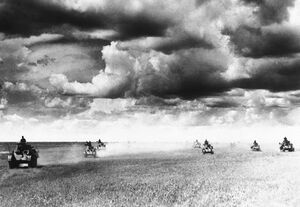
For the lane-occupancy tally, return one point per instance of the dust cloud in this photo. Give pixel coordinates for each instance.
(75, 152)
(114, 149)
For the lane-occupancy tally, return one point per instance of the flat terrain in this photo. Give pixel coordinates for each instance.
(233, 176)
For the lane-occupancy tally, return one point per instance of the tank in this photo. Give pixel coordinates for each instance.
(197, 145)
(92, 151)
(23, 155)
(286, 147)
(207, 149)
(255, 148)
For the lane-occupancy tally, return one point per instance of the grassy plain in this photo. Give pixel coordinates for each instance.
(233, 176)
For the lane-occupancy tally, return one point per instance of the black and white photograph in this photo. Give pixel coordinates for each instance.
(161, 103)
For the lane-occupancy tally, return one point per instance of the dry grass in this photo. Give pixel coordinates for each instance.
(181, 178)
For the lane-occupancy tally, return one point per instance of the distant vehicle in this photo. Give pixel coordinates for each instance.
(286, 147)
(197, 144)
(92, 151)
(23, 155)
(207, 149)
(255, 147)
(101, 144)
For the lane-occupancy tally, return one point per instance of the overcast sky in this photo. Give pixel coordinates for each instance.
(148, 69)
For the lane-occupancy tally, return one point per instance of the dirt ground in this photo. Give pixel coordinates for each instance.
(178, 176)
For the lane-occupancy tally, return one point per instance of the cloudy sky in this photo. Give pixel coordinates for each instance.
(149, 69)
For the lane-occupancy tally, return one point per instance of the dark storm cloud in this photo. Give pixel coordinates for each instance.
(274, 11)
(223, 104)
(139, 26)
(270, 37)
(33, 17)
(189, 75)
(200, 2)
(17, 97)
(198, 86)
(200, 75)
(186, 87)
(265, 42)
(70, 39)
(273, 75)
(186, 42)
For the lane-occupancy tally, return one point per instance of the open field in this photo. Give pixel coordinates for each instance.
(179, 176)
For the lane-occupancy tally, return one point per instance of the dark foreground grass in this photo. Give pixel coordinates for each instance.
(182, 178)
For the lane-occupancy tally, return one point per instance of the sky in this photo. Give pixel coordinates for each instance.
(149, 70)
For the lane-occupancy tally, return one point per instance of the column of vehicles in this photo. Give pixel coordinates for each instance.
(91, 151)
(27, 155)
(206, 147)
